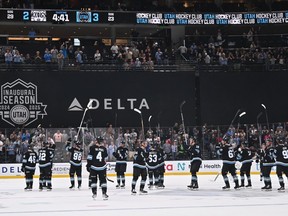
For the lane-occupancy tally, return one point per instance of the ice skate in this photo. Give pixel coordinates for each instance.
(143, 192)
(105, 197)
(226, 187)
(133, 192)
(281, 189)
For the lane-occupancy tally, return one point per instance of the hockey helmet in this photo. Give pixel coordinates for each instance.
(99, 139)
(78, 143)
(245, 143)
(45, 143)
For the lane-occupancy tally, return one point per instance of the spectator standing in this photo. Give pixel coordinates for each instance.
(8, 58)
(159, 56)
(114, 50)
(97, 56)
(167, 148)
(79, 59)
(174, 150)
(54, 53)
(60, 59)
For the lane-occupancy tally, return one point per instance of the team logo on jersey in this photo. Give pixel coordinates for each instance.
(19, 103)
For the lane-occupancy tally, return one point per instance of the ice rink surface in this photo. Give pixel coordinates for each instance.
(175, 199)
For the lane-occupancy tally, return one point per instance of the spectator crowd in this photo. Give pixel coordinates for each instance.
(143, 54)
(14, 143)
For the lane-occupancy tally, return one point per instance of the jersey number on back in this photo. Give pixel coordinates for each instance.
(32, 159)
(99, 156)
(230, 153)
(77, 156)
(285, 154)
(42, 156)
(152, 158)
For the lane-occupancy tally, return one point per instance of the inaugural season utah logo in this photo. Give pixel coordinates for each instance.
(19, 103)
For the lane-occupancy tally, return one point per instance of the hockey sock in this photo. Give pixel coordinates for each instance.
(123, 179)
(281, 181)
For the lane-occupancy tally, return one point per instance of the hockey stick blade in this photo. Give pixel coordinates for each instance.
(213, 180)
(110, 180)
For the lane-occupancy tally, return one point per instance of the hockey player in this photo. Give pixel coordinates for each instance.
(92, 145)
(260, 158)
(75, 163)
(121, 155)
(194, 154)
(96, 165)
(45, 157)
(28, 167)
(268, 163)
(152, 165)
(139, 168)
(227, 153)
(244, 155)
(281, 153)
(161, 167)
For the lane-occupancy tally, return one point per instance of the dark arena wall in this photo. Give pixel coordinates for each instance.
(60, 98)
(114, 95)
(222, 94)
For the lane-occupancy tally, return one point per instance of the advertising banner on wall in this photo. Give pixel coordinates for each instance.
(208, 167)
(59, 99)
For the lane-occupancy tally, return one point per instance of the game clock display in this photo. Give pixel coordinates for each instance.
(60, 17)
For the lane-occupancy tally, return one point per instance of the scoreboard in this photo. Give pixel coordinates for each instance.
(143, 18)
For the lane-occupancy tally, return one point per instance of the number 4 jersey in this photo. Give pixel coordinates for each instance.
(96, 158)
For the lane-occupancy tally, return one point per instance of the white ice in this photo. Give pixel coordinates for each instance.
(174, 200)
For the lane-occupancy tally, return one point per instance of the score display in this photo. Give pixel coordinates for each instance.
(143, 18)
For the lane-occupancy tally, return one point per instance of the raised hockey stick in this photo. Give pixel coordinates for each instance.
(182, 118)
(89, 106)
(142, 124)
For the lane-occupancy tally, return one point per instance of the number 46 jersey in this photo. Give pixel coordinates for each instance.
(29, 160)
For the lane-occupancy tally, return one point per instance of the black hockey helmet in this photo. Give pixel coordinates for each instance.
(123, 142)
(78, 143)
(245, 143)
(99, 139)
(45, 143)
(226, 139)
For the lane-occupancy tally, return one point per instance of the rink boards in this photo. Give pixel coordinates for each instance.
(208, 167)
